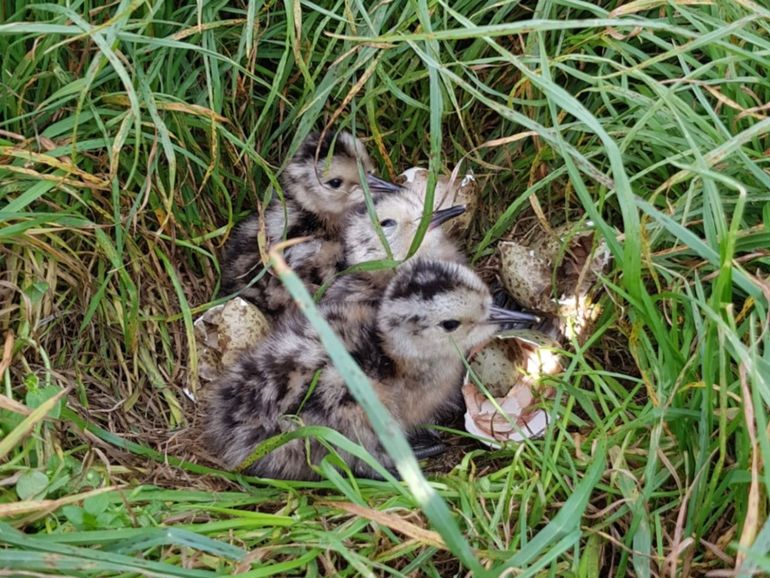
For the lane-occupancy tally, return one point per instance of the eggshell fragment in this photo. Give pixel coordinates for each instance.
(494, 368)
(223, 332)
(511, 368)
(555, 274)
(519, 421)
(450, 190)
(526, 276)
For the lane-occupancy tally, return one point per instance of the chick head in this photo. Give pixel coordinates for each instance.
(399, 217)
(323, 175)
(438, 309)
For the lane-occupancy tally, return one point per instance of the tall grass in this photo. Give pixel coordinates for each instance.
(134, 135)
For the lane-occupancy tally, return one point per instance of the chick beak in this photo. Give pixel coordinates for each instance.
(502, 316)
(378, 185)
(443, 215)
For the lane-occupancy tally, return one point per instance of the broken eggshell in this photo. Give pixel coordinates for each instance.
(529, 272)
(526, 275)
(510, 367)
(450, 190)
(223, 332)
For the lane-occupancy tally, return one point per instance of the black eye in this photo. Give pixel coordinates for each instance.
(450, 325)
(334, 183)
(388, 223)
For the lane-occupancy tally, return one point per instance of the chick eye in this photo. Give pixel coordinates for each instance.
(388, 223)
(334, 183)
(450, 325)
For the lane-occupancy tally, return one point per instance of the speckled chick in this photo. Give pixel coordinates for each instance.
(320, 184)
(407, 344)
(399, 217)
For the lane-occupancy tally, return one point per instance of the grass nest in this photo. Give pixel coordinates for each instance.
(134, 136)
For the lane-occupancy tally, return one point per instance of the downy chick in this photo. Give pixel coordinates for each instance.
(399, 218)
(319, 189)
(407, 343)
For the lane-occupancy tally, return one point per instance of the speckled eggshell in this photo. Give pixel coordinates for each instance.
(494, 368)
(510, 367)
(584, 265)
(465, 192)
(577, 271)
(526, 276)
(223, 332)
(243, 326)
(206, 345)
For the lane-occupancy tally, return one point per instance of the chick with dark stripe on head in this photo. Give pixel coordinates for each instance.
(409, 344)
(320, 185)
(399, 216)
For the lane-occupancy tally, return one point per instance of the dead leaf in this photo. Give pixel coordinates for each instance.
(25, 507)
(428, 537)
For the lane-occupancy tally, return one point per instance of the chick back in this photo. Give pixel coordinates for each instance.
(314, 261)
(245, 406)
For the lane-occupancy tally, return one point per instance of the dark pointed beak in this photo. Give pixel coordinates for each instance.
(378, 185)
(500, 315)
(443, 215)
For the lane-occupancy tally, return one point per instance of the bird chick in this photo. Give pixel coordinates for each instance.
(320, 184)
(408, 344)
(399, 217)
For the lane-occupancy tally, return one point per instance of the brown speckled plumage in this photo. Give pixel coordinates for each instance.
(311, 208)
(407, 343)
